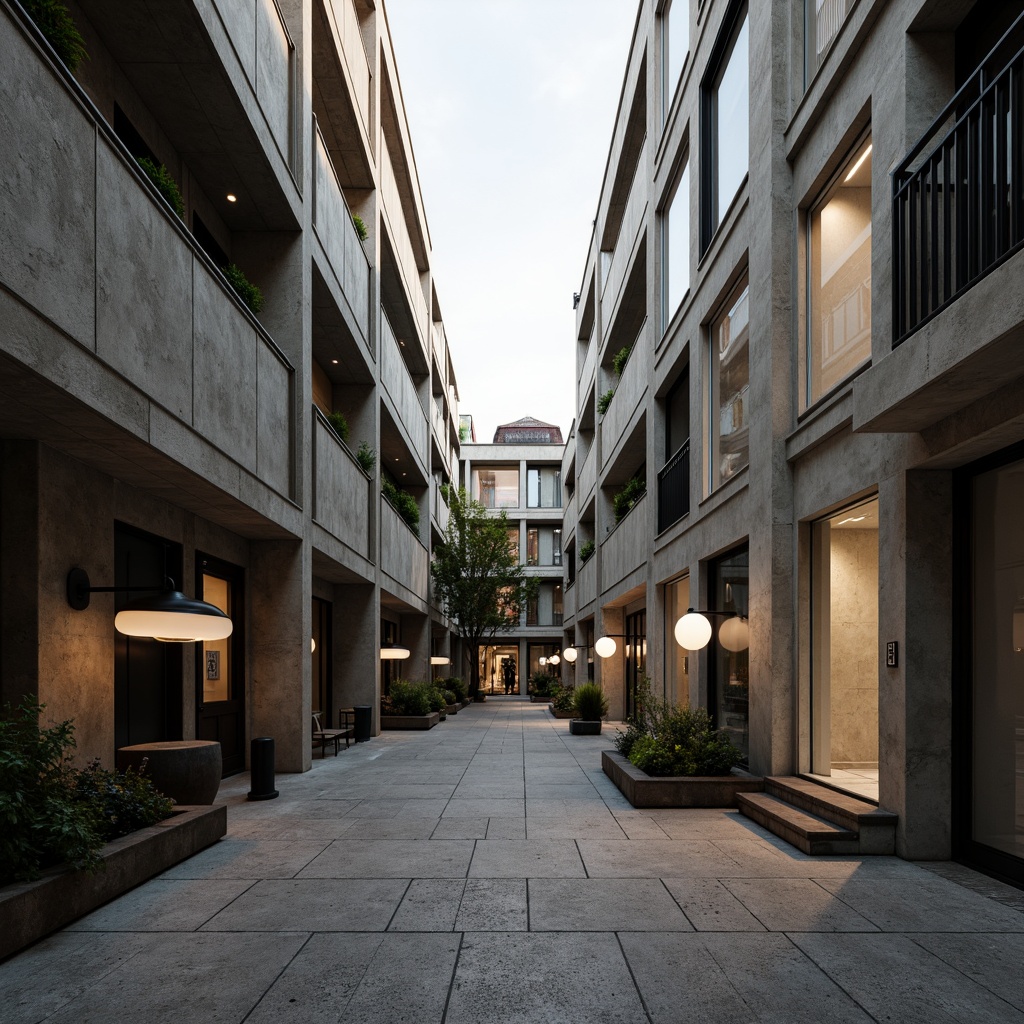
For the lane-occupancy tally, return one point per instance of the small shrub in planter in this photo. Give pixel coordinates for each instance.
(165, 184)
(249, 293)
(562, 698)
(540, 685)
(619, 362)
(455, 686)
(127, 800)
(586, 550)
(339, 424)
(408, 698)
(632, 491)
(589, 702)
(54, 20)
(605, 400)
(366, 457)
(403, 503)
(357, 223)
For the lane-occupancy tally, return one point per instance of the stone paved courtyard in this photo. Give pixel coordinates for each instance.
(488, 871)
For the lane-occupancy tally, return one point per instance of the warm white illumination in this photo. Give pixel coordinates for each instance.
(394, 653)
(734, 634)
(693, 631)
(554, 660)
(440, 659)
(179, 627)
(856, 167)
(1018, 626)
(232, 199)
(312, 645)
(334, 362)
(543, 661)
(851, 519)
(605, 647)
(570, 654)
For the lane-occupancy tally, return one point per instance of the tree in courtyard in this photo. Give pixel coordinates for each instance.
(478, 577)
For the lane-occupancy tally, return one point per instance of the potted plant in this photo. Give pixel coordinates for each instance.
(590, 705)
(586, 550)
(562, 701)
(628, 495)
(409, 706)
(367, 457)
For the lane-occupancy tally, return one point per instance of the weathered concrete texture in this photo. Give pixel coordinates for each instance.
(320, 906)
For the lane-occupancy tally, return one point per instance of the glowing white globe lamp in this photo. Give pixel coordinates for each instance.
(693, 631)
(604, 647)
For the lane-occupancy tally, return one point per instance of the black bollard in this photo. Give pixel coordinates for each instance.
(261, 768)
(363, 722)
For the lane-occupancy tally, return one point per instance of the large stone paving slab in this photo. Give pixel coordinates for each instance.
(796, 905)
(493, 905)
(993, 961)
(528, 858)
(651, 858)
(378, 858)
(603, 905)
(232, 858)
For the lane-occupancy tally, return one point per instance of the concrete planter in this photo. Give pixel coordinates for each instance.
(643, 790)
(466, 703)
(31, 910)
(410, 721)
(578, 727)
(453, 709)
(562, 714)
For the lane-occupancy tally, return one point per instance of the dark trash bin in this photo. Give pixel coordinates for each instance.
(261, 768)
(363, 722)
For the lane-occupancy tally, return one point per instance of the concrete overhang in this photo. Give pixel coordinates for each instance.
(972, 349)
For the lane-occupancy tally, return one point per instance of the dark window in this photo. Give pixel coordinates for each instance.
(129, 135)
(204, 237)
(730, 670)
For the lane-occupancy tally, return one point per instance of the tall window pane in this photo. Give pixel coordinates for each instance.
(496, 488)
(728, 388)
(544, 487)
(675, 44)
(675, 226)
(824, 19)
(839, 278)
(730, 670)
(732, 119)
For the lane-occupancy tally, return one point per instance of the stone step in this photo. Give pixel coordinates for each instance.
(805, 831)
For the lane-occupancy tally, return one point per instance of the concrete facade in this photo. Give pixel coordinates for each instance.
(141, 397)
(906, 423)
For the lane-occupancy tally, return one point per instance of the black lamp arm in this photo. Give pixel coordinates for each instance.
(79, 588)
(708, 611)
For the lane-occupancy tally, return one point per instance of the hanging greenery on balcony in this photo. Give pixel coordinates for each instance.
(586, 550)
(247, 292)
(632, 491)
(619, 362)
(403, 503)
(54, 20)
(360, 227)
(339, 424)
(165, 184)
(367, 457)
(605, 400)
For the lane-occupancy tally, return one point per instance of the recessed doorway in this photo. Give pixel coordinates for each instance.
(844, 650)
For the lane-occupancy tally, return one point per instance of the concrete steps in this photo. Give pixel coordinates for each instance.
(819, 820)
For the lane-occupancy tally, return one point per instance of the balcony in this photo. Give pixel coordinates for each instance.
(587, 478)
(438, 507)
(341, 490)
(625, 548)
(332, 222)
(674, 488)
(586, 583)
(632, 221)
(346, 25)
(629, 391)
(402, 555)
(400, 388)
(587, 373)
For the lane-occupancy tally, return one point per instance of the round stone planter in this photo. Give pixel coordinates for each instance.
(188, 771)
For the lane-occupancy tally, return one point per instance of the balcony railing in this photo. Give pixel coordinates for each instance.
(958, 196)
(674, 488)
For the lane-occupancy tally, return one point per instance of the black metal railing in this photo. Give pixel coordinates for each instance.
(958, 196)
(674, 488)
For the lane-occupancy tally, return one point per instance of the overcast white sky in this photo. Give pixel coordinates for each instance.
(511, 105)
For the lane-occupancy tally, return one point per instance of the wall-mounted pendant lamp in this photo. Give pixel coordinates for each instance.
(693, 631)
(440, 659)
(166, 615)
(393, 652)
(570, 654)
(604, 646)
(554, 660)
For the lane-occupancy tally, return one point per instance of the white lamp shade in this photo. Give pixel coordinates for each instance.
(554, 659)
(542, 660)
(604, 647)
(693, 631)
(175, 626)
(569, 654)
(394, 653)
(312, 645)
(734, 634)
(439, 659)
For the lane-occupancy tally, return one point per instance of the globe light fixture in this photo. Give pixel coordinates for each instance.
(554, 659)
(570, 654)
(604, 647)
(734, 634)
(693, 631)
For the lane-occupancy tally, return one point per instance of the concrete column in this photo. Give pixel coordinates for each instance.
(356, 641)
(280, 624)
(416, 636)
(610, 672)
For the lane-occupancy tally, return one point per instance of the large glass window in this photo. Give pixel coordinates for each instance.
(675, 248)
(675, 44)
(824, 18)
(728, 433)
(496, 488)
(726, 129)
(839, 278)
(545, 608)
(543, 545)
(730, 670)
(677, 665)
(544, 487)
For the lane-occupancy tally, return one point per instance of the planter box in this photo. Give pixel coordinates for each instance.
(31, 910)
(562, 714)
(643, 790)
(453, 709)
(466, 703)
(578, 727)
(410, 721)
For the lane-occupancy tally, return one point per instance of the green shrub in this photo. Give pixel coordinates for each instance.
(367, 457)
(586, 550)
(625, 741)
(437, 701)
(127, 800)
(54, 20)
(589, 702)
(165, 184)
(403, 503)
(605, 400)
(541, 684)
(562, 698)
(456, 686)
(339, 423)
(653, 757)
(249, 293)
(408, 698)
(357, 223)
(449, 697)
(619, 362)
(632, 491)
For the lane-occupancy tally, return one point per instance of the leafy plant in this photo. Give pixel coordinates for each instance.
(589, 702)
(357, 223)
(402, 502)
(367, 457)
(455, 686)
(605, 400)
(463, 432)
(619, 361)
(247, 292)
(562, 698)
(586, 550)
(541, 684)
(127, 801)
(54, 20)
(408, 698)
(165, 184)
(339, 423)
(630, 493)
